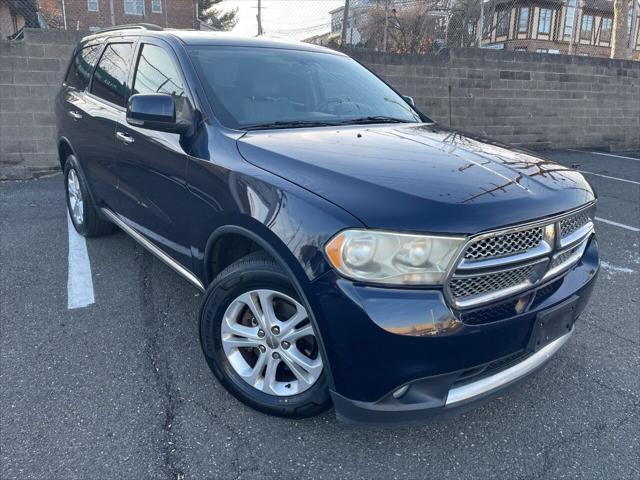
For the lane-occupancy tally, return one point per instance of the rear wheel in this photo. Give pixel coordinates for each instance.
(259, 341)
(82, 211)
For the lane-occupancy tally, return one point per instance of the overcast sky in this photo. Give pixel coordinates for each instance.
(295, 18)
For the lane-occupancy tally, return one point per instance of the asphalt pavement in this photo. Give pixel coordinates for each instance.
(119, 389)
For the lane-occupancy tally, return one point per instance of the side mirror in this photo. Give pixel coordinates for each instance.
(409, 100)
(154, 111)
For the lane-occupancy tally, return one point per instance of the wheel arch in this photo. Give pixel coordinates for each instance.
(64, 150)
(255, 235)
(261, 236)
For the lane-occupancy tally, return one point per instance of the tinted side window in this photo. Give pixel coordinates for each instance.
(110, 77)
(81, 66)
(156, 73)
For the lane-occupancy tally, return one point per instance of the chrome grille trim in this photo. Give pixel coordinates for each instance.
(518, 241)
(540, 250)
(565, 259)
(574, 222)
(564, 240)
(511, 281)
(576, 235)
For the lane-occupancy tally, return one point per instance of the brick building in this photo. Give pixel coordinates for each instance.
(96, 14)
(555, 26)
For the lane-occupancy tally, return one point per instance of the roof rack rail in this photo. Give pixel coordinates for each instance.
(132, 26)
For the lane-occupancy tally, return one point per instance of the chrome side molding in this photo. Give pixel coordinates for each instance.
(142, 240)
(482, 387)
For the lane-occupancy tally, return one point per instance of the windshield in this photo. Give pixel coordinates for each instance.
(255, 88)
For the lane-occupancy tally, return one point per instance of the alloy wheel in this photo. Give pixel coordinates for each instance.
(269, 341)
(76, 203)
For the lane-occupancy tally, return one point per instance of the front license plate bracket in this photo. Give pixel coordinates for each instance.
(551, 324)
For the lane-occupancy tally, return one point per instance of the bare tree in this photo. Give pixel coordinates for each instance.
(411, 29)
(620, 38)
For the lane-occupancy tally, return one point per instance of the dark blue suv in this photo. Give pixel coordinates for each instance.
(353, 252)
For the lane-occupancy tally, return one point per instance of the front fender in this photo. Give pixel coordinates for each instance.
(290, 222)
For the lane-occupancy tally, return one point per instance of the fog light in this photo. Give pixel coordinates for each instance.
(401, 391)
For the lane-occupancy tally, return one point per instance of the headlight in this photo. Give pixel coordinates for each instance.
(392, 258)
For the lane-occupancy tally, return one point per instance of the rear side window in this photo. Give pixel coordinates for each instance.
(81, 66)
(156, 73)
(110, 77)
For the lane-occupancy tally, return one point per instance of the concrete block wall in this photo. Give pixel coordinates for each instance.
(31, 72)
(533, 100)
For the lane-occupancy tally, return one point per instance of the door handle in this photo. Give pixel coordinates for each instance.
(75, 115)
(124, 138)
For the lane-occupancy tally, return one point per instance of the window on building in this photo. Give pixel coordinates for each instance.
(110, 77)
(523, 20)
(520, 49)
(156, 6)
(156, 73)
(92, 5)
(544, 21)
(569, 18)
(587, 27)
(80, 69)
(605, 29)
(487, 24)
(542, 50)
(502, 27)
(134, 7)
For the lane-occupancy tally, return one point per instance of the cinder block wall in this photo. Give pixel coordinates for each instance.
(30, 74)
(535, 100)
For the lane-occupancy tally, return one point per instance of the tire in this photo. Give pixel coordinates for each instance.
(285, 395)
(82, 211)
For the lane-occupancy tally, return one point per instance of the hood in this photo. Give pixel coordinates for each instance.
(418, 177)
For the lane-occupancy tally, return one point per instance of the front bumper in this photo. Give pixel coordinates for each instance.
(376, 342)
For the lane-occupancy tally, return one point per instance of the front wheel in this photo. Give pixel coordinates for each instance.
(259, 341)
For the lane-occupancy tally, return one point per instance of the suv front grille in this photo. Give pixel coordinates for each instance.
(499, 246)
(480, 284)
(573, 223)
(499, 264)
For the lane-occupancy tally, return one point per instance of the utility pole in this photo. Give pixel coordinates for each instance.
(345, 21)
(577, 12)
(113, 16)
(259, 16)
(386, 25)
(64, 15)
(634, 29)
(481, 27)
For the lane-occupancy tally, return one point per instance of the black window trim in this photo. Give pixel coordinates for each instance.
(100, 45)
(109, 41)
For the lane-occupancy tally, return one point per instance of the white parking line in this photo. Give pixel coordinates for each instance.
(79, 282)
(621, 225)
(606, 154)
(610, 178)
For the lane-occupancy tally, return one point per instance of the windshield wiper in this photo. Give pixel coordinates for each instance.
(291, 124)
(373, 119)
